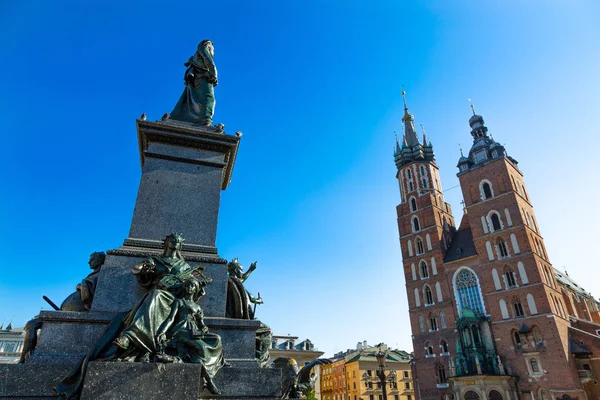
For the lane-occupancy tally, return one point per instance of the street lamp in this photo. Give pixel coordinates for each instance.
(391, 377)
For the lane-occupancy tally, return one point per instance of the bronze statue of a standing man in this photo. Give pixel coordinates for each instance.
(197, 102)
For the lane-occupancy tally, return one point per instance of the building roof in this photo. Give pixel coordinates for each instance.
(400, 356)
(578, 348)
(462, 245)
(564, 279)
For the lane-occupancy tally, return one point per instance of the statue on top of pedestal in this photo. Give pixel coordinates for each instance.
(197, 102)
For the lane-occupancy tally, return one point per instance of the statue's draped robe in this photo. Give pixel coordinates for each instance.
(81, 300)
(192, 344)
(141, 324)
(197, 102)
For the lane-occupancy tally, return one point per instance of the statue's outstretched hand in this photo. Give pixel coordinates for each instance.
(252, 266)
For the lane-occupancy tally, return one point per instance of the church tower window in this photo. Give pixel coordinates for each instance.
(495, 220)
(415, 223)
(433, 323)
(502, 249)
(428, 295)
(518, 309)
(424, 270)
(441, 374)
(413, 204)
(468, 294)
(516, 338)
(509, 275)
(420, 248)
(485, 190)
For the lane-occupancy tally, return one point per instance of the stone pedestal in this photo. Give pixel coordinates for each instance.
(111, 381)
(184, 169)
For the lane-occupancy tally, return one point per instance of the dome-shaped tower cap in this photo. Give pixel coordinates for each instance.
(474, 119)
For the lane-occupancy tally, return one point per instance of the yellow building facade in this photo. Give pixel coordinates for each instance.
(354, 376)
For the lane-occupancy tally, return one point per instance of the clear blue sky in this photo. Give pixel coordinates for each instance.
(315, 87)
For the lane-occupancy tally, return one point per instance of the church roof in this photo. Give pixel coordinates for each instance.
(565, 280)
(462, 245)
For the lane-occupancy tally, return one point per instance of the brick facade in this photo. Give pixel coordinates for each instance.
(490, 316)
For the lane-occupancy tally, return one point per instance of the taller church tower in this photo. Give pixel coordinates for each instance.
(426, 228)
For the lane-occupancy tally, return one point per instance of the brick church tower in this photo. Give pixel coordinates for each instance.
(490, 317)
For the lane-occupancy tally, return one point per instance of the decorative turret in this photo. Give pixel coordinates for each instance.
(411, 149)
(484, 149)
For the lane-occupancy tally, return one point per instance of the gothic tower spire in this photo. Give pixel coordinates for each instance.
(412, 150)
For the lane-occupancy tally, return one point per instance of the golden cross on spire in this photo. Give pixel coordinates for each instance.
(472, 106)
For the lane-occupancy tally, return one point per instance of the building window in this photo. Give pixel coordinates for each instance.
(407, 386)
(420, 248)
(422, 170)
(495, 219)
(424, 181)
(518, 309)
(424, 270)
(433, 323)
(409, 397)
(408, 174)
(509, 275)
(485, 190)
(428, 295)
(441, 374)
(416, 226)
(443, 319)
(413, 204)
(371, 397)
(502, 249)
(410, 186)
(535, 368)
(405, 374)
(444, 346)
(467, 288)
(428, 349)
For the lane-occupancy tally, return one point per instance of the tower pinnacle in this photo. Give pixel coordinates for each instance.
(411, 149)
(409, 126)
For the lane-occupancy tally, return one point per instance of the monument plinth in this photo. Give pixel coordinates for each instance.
(184, 169)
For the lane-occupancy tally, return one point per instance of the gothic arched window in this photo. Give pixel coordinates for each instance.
(428, 295)
(466, 285)
(444, 346)
(518, 307)
(509, 275)
(424, 270)
(433, 323)
(420, 248)
(416, 225)
(495, 219)
(502, 249)
(441, 374)
(413, 204)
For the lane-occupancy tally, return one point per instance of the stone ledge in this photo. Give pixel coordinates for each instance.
(133, 381)
(191, 136)
(91, 317)
(30, 381)
(104, 317)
